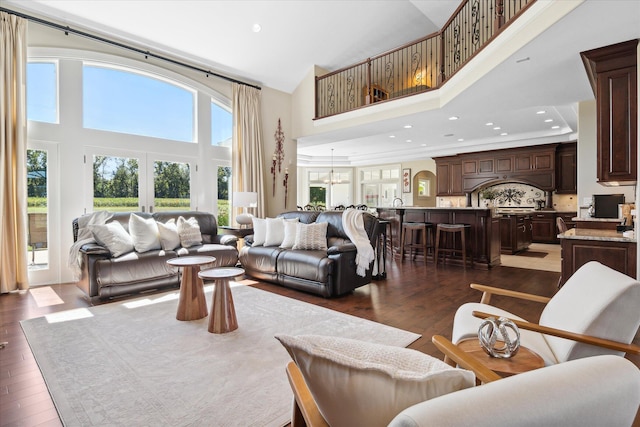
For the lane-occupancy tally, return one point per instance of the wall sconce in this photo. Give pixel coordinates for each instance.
(244, 200)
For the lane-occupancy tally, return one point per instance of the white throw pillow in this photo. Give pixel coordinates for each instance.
(290, 233)
(311, 236)
(275, 232)
(259, 231)
(189, 232)
(144, 232)
(169, 237)
(357, 383)
(112, 236)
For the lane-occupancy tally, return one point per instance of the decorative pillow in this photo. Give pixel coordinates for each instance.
(275, 232)
(311, 236)
(290, 233)
(144, 233)
(259, 231)
(169, 237)
(361, 383)
(189, 232)
(112, 236)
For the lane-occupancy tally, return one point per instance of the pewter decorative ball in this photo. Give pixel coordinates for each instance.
(499, 337)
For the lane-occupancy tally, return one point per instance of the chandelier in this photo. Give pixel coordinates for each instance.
(332, 180)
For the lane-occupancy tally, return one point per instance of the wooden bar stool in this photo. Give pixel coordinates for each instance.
(387, 232)
(452, 230)
(418, 238)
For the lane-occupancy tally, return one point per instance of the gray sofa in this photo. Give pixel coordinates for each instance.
(327, 273)
(104, 276)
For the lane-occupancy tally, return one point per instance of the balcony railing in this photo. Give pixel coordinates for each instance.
(420, 66)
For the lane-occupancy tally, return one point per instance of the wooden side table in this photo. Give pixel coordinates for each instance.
(525, 360)
(192, 304)
(223, 313)
(235, 231)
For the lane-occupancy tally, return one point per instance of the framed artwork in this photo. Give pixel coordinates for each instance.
(406, 180)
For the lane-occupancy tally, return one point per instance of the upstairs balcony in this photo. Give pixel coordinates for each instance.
(420, 66)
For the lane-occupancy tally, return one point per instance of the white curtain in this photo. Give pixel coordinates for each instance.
(247, 144)
(13, 154)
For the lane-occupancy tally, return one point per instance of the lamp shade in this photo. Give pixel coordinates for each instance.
(245, 199)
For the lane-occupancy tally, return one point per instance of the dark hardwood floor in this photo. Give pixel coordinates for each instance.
(415, 297)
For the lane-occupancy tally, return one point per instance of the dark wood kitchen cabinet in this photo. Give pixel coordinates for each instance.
(515, 233)
(566, 169)
(543, 227)
(449, 178)
(612, 72)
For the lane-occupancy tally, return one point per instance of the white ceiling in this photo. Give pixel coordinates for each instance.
(296, 35)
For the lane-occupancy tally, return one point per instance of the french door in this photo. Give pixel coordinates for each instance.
(126, 181)
(43, 207)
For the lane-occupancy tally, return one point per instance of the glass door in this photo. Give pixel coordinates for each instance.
(134, 181)
(43, 241)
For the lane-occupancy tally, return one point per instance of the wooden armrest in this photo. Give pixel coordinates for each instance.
(487, 291)
(464, 360)
(304, 400)
(587, 339)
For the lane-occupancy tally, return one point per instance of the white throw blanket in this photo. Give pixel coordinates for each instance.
(353, 225)
(85, 236)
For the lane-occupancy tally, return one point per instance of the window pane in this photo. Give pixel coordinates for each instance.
(171, 186)
(120, 101)
(37, 209)
(42, 94)
(224, 182)
(318, 196)
(221, 126)
(115, 184)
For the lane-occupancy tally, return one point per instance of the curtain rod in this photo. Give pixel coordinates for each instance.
(146, 53)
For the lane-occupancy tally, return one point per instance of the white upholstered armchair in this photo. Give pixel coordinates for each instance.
(597, 311)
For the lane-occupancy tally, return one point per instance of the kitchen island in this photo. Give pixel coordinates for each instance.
(581, 245)
(484, 234)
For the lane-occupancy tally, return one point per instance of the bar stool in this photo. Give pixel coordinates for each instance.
(452, 230)
(387, 232)
(417, 230)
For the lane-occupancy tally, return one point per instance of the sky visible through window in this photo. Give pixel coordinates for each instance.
(42, 93)
(121, 101)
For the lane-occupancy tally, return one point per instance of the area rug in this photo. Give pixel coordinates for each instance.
(132, 363)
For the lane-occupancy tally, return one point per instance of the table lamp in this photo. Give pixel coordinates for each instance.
(244, 200)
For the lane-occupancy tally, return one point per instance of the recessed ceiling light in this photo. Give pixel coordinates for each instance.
(460, 139)
(548, 120)
(454, 118)
(392, 136)
(408, 126)
(540, 112)
(489, 123)
(423, 145)
(408, 140)
(504, 134)
(555, 127)
(256, 28)
(497, 128)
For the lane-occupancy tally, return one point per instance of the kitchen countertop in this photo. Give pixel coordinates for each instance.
(593, 234)
(591, 219)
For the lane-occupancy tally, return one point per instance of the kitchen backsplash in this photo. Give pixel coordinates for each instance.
(514, 195)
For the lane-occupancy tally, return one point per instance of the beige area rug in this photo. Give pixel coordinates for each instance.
(133, 364)
(539, 256)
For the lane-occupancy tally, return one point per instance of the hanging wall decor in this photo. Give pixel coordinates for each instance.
(285, 182)
(279, 153)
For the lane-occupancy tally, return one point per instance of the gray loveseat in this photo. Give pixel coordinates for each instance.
(104, 276)
(327, 273)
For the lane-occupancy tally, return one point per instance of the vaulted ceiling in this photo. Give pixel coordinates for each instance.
(546, 74)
